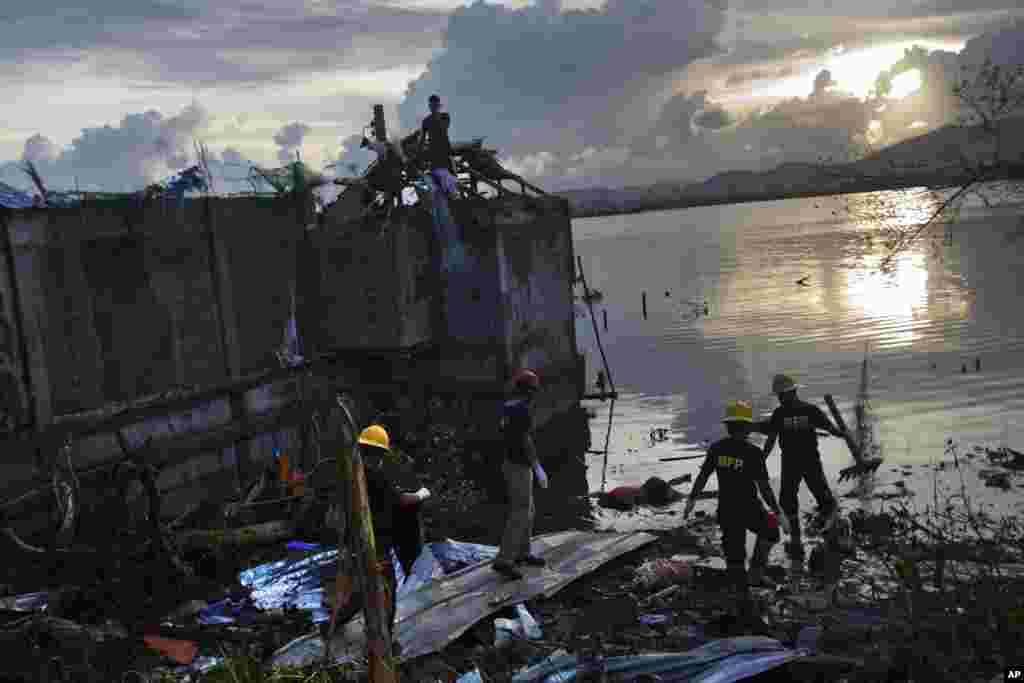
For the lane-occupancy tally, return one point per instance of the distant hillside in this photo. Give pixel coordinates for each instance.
(933, 159)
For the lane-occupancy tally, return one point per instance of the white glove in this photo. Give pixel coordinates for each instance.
(542, 477)
(422, 494)
(784, 522)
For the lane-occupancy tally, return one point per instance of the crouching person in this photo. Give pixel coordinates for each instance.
(740, 468)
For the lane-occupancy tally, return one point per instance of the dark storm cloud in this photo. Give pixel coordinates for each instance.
(1005, 47)
(217, 43)
(523, 76)
(961, 6)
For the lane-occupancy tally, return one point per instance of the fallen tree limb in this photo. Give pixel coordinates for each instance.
(257, 534)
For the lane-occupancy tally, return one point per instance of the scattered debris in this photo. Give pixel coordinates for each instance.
(1000, 480)
(1006, 457)
(661, 572)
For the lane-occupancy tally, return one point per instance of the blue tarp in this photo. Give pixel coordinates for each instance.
(721, 661)
(13, 198)
(26, 602)
(297, 582)
(446, 232)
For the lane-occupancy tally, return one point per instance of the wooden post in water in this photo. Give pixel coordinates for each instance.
(643, 303)
(604, 316)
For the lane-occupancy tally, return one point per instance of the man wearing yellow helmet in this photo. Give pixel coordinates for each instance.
(794, 424)
(739, 466)
(393, 513)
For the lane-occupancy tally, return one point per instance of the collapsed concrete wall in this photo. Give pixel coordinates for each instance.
(537, 271)
(121, 304)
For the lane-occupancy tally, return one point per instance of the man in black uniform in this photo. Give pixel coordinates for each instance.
(519, 468)
(794, 424)
(741, 473)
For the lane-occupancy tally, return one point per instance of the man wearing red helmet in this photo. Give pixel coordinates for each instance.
(519, 468)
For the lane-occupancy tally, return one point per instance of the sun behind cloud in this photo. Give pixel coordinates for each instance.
(855, 70)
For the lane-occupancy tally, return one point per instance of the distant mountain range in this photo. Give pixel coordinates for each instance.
(934, 159)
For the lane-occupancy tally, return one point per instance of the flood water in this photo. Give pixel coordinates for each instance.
(948, 302)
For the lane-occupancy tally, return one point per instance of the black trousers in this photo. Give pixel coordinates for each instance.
(735, 523)
(407, 537)
(807, 468)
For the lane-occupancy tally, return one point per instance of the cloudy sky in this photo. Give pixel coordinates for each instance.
(573, 93)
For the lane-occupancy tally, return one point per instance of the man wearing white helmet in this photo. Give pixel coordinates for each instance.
(794, 424)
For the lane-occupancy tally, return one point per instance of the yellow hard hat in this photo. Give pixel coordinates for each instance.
(738, 411)
(784, 383)
(376, 436)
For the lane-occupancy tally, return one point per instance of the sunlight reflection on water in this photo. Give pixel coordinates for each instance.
(944, 306)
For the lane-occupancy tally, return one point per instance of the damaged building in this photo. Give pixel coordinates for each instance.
(163, 321)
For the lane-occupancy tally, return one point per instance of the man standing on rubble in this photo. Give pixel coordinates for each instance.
(519, 468)
(434, 137)
(739, 466)
(794, 424)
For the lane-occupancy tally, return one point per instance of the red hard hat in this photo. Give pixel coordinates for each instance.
(526, 377)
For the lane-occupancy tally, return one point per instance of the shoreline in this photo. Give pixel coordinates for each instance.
(720, 199)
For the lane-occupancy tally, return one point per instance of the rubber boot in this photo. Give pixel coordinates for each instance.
(737, 574)
(829, 518)
(795, 547)
(755, 577)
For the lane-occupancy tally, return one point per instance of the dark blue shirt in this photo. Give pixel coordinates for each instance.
(517, 422)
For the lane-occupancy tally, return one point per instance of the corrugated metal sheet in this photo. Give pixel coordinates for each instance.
(442, 610)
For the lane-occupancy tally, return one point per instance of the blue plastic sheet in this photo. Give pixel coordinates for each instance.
(453, 252)
(298, 581)
(26, 602)
(303, 546)
(13, 198)
(470, 677)
(721, 661)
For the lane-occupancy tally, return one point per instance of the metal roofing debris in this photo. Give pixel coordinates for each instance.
(444, 608)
